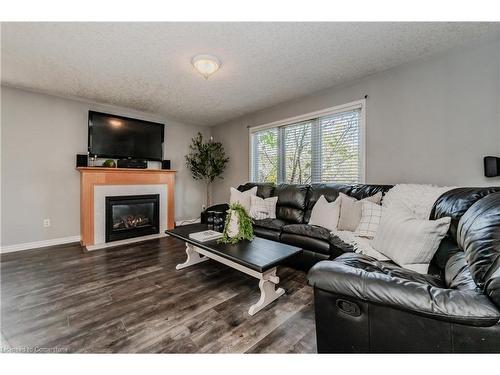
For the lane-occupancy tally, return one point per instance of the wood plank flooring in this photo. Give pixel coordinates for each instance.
(130, 299)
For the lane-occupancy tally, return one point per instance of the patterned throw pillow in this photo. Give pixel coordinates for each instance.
(370, 219)
(263, 208)
(350, 210)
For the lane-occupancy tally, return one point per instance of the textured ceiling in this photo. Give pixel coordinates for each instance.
(146, 66)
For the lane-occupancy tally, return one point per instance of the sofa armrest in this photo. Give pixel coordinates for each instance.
(365, 278)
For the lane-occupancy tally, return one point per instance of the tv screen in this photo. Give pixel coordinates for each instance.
(120, 137)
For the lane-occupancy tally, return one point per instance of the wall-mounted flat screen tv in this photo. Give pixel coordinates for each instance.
(119, 137)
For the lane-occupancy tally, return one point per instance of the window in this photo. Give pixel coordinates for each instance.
(321, 147)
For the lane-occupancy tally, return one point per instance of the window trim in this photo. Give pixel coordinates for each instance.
(357, 104)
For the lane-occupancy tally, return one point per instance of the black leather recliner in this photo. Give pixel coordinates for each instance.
(364, 305)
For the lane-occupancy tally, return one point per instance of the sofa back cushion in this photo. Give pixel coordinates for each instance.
(264, 189)
(478, 234)
(457, 273)
(454, 203)
(362, 191)
(329, 191)
(291, 202)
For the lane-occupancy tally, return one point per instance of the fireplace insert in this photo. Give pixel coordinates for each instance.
(132, 216)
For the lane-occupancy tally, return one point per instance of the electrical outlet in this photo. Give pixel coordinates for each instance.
(46, 223)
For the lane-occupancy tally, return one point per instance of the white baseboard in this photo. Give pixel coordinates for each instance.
(125, 242)
(187, 221)
(37, 244)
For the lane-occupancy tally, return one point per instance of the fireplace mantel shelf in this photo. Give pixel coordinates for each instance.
(92, 176)
(126, 170)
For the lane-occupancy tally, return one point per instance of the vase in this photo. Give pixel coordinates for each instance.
(233, 227)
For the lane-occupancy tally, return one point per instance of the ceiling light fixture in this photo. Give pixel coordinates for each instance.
(206, 65)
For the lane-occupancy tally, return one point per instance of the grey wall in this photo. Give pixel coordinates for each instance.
(40, 136)
(429, 121)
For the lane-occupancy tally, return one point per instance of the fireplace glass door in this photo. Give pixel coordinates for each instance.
(131, 216)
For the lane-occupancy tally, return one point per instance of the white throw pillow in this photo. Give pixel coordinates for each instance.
(325, 214)
(417, 198)
(408, 241)
(242, 198)
(371, 214)
(350, 210)
(261, 208)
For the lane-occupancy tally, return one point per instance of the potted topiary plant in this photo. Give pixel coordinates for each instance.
(206, 161)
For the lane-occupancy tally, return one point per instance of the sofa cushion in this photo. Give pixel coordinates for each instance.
(305, 242)
(313, 231)
(479, 237)
(446, 249)
(291, 202)
(454, 203)
(264, 189)
(326, 214)
(329, 191)
(408, 241)
(371, 213)
(274, 224)
(362, 277)
(493, 287)
(268, 233)
(351, 209)
(457, 273)
(339, 245)
(242, 197)
(262, 208)
(362, 191)
(305, 260)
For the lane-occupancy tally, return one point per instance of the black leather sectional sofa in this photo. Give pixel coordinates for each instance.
(365, 305)
(293, 210)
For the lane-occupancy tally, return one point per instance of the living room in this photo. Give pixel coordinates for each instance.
(324, 187)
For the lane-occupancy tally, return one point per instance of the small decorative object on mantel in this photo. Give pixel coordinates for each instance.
(110, 163)
(238, 225)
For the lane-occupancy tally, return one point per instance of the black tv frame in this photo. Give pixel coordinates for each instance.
(89, 136)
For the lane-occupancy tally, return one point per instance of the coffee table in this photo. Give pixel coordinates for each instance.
(258, 258)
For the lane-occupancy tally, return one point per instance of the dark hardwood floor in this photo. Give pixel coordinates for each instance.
(130, 299)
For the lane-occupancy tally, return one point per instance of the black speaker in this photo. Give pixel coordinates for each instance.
(165, 164)
(82, 160)
(491, 166)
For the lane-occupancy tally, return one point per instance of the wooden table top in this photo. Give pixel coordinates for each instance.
(259, 254)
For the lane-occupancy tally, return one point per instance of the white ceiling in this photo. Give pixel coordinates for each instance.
(146, 66)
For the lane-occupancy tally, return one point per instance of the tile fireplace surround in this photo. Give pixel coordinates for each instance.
(96, 183)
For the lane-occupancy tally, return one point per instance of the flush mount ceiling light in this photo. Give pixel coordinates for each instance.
(206, 65)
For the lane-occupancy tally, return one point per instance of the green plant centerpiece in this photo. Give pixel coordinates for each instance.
(238, 225)
(206, 161)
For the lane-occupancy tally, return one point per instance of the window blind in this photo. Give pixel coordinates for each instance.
(297, 153)
(322, 149)
(264, 161)
(339, 146)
